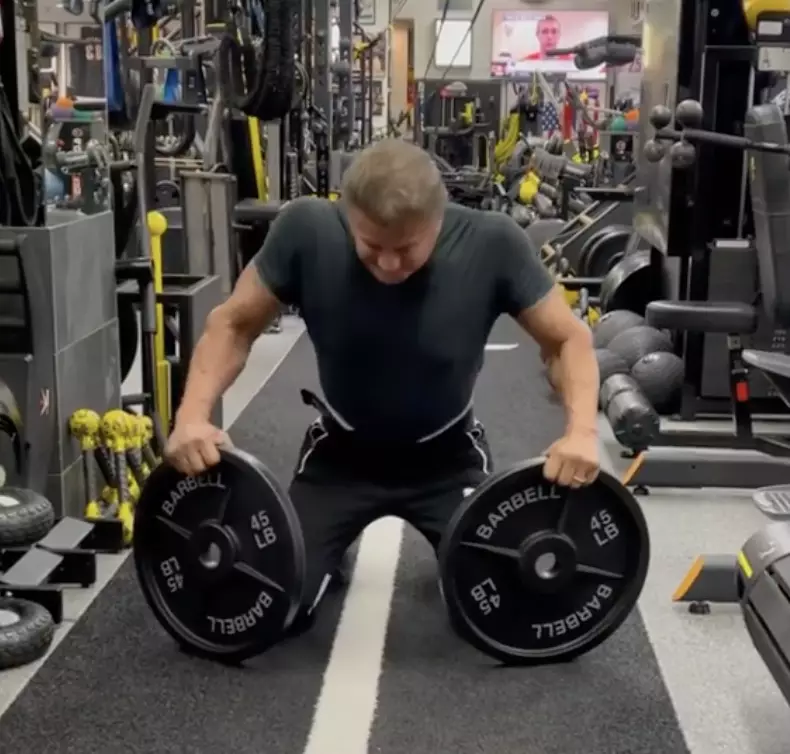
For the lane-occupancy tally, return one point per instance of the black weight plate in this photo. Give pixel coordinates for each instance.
(168, 193)
(581, 264)
(220, 557)
(631, 284)
(504, 595)
(607, 251)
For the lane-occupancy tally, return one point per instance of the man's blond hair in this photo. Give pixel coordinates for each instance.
(394, 182)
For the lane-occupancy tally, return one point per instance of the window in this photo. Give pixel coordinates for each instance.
(453, 44)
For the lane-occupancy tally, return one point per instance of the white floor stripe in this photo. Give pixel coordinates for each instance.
(347, 703)
(501, 346)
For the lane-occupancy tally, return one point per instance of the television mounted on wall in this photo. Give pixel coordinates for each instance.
(522, 39)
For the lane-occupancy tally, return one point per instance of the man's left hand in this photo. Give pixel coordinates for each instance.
(573, 461)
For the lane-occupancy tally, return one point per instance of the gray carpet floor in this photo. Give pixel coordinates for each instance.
(118, 685)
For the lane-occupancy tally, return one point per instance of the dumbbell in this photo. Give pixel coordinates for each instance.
(682, 154)
(634, 421)
(84, 425)
(117, 433)
(582, 306)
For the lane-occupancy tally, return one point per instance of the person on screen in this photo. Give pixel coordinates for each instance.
(548, 33)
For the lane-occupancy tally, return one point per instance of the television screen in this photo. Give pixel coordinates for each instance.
(453, 44)
(521, 39)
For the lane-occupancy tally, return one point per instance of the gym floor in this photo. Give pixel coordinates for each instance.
(381, 671)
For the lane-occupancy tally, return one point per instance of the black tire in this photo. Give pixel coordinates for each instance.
(25, 516)
(26, 632)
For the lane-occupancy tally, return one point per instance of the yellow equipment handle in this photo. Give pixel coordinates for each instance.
(157, 225)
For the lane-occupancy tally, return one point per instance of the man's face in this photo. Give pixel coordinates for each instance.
(392, 255)
(548, 35)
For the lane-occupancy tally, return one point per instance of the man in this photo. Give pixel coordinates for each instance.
(548, 33)
(399, 291)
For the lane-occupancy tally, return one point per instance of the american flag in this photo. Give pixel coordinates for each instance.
(548, 119)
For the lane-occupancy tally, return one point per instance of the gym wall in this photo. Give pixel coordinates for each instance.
(425, 12)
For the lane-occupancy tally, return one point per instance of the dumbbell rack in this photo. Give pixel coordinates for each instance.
(588, 290)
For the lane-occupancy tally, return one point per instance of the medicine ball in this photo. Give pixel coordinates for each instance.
(613, 323)
(635, 342)
(660, 375)
(609, 363)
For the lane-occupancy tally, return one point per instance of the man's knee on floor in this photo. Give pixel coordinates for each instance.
(316, 591)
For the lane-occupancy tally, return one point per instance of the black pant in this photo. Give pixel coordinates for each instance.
(344, 482)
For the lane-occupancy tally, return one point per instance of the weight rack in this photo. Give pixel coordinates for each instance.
(66, 556)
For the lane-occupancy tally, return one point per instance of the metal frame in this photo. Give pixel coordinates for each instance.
(737, 459)
(715, 213)
(307, 45)
(274, 173)
(699, 217)
(322, 105)
(344, 76)
(322, 78)
(714, 46)
(293, 159)
(207, 201)
(367, 112)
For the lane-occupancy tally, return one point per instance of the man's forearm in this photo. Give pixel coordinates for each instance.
(217, 361)
(578, 383)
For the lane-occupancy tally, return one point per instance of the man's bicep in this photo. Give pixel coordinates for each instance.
(278, 260)
(251, 308)
(552, 323)
(523, 278)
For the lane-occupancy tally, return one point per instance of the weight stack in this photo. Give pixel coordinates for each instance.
(764, 588)
(633, 419)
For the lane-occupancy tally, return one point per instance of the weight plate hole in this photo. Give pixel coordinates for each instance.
(546, 565)
(211, 558)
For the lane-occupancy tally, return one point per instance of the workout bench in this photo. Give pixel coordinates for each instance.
(738, 459)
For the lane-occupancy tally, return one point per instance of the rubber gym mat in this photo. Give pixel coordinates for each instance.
(117, 684)
(611, 701)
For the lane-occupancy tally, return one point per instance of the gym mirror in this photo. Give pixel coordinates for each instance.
(76, 153)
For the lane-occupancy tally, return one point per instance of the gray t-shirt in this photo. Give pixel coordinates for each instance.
(400, 359)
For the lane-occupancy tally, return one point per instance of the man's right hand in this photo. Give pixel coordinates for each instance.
(194, 446)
